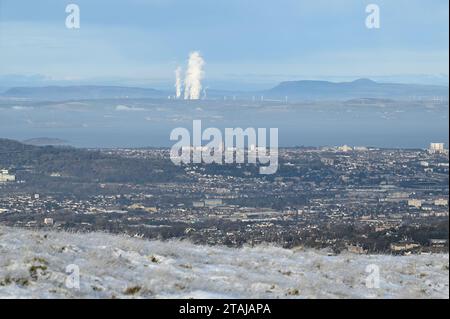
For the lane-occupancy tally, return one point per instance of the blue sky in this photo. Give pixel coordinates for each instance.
(246, 43)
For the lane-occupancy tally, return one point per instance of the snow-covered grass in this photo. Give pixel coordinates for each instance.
(34, 264)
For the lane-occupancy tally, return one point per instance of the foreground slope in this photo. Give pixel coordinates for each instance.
(34, 264)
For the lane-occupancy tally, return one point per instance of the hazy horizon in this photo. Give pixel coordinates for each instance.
(250, 47)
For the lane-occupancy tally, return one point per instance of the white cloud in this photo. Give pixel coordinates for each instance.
(129, 108)
(22, 108)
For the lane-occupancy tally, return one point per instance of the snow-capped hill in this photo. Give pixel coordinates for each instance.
(46, 265)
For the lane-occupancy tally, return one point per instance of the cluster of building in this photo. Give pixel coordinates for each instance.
(437, 148)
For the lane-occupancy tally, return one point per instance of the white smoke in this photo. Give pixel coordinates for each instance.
(194, 76)
(204, 92)
(178, 84)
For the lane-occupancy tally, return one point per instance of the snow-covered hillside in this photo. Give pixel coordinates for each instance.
(34, 264)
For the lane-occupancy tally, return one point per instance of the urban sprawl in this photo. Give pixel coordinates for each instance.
(359, 199)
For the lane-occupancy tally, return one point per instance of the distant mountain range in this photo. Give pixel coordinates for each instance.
(362, 88)
(82, 92)
(45, 141)
(293, 90)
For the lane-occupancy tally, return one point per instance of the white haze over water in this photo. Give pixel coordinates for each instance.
(110, 264)
(125, 122)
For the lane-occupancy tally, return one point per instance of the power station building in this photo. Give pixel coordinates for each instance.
(6, 177)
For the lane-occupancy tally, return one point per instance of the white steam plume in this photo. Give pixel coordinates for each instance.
(194, 75)
(178, 84)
